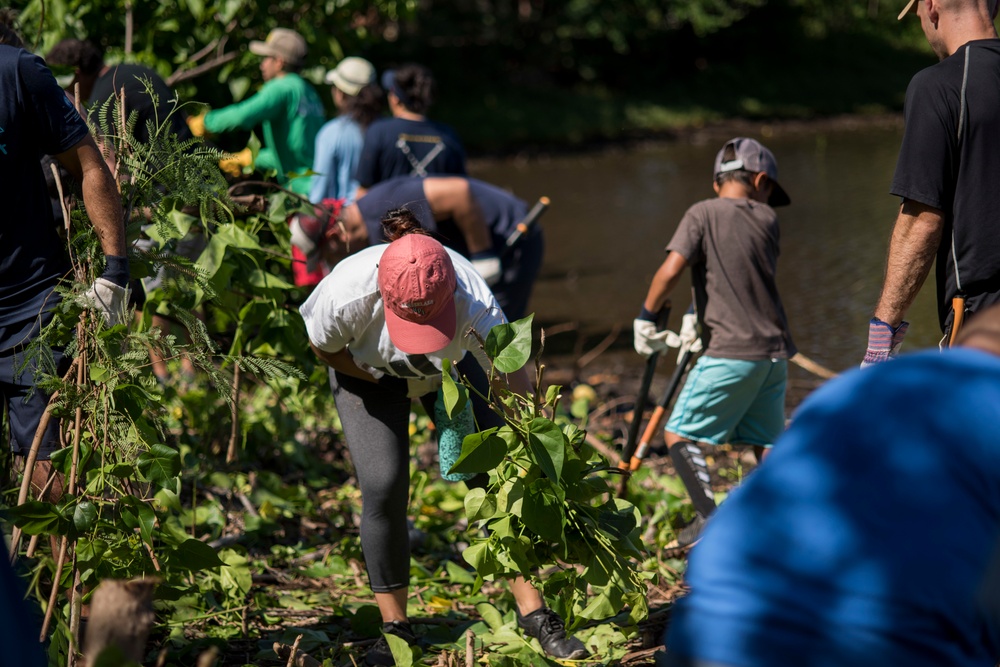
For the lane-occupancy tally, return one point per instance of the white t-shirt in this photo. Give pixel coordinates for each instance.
(346, 311)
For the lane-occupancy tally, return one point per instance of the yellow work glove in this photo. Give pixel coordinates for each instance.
(237, 162)
(197, 125)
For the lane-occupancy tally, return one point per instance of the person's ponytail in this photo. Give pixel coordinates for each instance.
(399, 222)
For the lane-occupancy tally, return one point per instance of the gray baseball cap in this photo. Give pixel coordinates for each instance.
(281, 43)
(752, 156)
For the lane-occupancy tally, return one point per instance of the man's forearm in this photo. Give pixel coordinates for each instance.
(912, 249)
(100, 194)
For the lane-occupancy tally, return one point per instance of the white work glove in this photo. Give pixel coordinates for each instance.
(108, 299)
(306, 234)
(688, 336)
(647, 340)
(487, 264)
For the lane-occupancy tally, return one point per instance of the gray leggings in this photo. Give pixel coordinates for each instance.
(376, 421)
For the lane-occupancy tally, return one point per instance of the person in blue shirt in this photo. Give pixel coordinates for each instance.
(869, 536)
(338, 144)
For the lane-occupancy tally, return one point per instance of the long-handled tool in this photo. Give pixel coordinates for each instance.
(958, 319)
(640, 401)
(655, 424)
(525, 225)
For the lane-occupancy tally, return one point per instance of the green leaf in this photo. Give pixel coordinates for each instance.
(34, 518)
(213, 256)
(88, 550)
(509, 345)
(99, 374)
(491, 615)
(84, 515)
(542, 510)
(193, 555)
(545, 440)
(159, 464)
(367, 621)
(403, 653)
(599, 608)
(480, 558)
(552, 395)
(454, 394)
(510, 496)
(481, 452)
(480, 505)
(458, 574)
(264, 280)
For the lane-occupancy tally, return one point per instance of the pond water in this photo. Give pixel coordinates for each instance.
(613, 212)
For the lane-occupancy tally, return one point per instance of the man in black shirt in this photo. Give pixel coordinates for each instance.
(36, 118)
(946, 175)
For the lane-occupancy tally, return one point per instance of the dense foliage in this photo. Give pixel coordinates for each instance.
(519, 71)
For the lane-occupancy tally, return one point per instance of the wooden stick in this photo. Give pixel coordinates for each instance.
(75, 611)
(804, 362)
(64, 544)
(293, 652)
(231, 453)
(470, 649)
(301, 660)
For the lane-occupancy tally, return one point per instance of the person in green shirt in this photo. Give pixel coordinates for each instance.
(286, 107)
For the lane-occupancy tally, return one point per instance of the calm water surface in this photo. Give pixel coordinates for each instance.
(613, 212)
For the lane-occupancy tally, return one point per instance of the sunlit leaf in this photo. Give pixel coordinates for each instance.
(479, 504)
(490, 614)
(455, 395)
(509, 345)
(481, 452)
(545, 439)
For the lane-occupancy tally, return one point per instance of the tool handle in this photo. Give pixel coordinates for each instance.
(526, 223)
(958, 308)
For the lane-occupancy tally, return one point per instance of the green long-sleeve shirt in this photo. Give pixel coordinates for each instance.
(290, 113)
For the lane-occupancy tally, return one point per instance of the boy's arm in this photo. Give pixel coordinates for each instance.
(647, 338)
(664, 282)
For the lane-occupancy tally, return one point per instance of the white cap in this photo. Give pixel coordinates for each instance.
(351, 75)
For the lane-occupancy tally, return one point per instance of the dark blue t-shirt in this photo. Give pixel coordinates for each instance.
(395, 146)
(36, 119)
(865, 537)
(501, 210)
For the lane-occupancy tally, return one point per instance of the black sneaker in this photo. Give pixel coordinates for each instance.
(379, 653)
(550, 631)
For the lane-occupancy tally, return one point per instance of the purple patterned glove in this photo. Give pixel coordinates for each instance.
(883, 341)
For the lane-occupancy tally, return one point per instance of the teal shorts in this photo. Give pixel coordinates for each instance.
(732, 401)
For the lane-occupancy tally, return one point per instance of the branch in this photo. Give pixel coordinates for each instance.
(219, 61)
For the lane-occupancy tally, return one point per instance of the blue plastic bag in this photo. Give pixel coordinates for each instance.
(451, 433)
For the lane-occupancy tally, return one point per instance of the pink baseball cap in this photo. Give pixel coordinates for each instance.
(417, 280)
